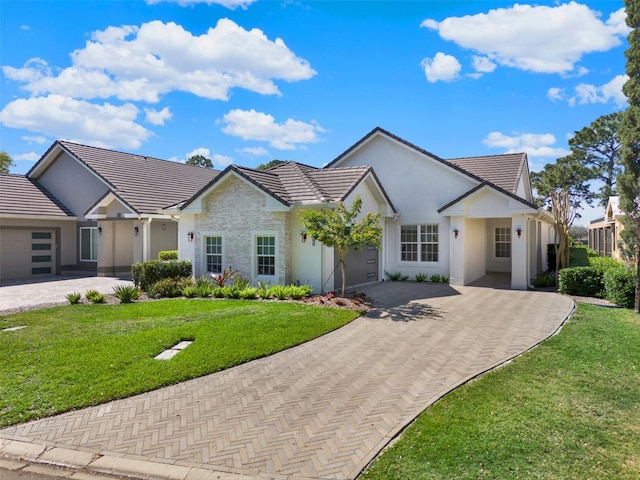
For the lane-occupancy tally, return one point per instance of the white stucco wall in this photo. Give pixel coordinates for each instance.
(73, 184)
(240, 211)
(475, 246)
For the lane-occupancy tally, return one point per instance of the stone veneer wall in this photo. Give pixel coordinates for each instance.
(237, 211)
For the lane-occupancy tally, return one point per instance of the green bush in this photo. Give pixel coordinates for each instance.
(95, 297)
(620, 286)
(435, 278)
(279, 291)
(545, 279)
(578, 257)
(148, 273)
(190, 291)
(169, 287)
(395, 276)
(74, 298)
(581, 281)
(249, 293)
(445, 279)
(604, 263)
(126, 293)
(420, 277)
(166, 255)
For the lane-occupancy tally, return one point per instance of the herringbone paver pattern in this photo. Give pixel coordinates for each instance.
(326, 408)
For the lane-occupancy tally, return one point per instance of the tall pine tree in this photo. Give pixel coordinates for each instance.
(629, 181)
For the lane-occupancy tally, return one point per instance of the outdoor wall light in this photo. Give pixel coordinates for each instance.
(190, 236)
(519, 232)
(303, 237)
(164, 226)
(136, 230)
(455, 232)
(99, 230)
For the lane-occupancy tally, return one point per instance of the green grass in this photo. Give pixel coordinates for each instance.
(79, 355)
(570, 409)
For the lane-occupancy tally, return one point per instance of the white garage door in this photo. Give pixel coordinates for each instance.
(27, 253)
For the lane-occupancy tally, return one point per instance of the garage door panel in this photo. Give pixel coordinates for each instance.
(25, 253)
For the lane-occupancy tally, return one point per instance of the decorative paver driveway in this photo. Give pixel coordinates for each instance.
(324, 409)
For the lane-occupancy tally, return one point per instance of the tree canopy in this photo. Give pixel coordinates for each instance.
(343, 230)
(200, 161)
(270, 164)
(6, 162)
(629, 180)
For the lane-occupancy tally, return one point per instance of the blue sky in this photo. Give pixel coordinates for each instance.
(245, 81)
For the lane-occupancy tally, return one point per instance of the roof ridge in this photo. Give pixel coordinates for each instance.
(485, 156)
(309, 182)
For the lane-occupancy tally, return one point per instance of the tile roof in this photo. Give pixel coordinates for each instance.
(147, 184)
(21, 196)
(292, 182)
(503, 171)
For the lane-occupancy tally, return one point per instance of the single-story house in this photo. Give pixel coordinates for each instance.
(603, 233)
(460, 218)
(97, 209)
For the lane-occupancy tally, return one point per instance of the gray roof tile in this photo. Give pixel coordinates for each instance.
(503, 171)
(147, 184)
(21, 196)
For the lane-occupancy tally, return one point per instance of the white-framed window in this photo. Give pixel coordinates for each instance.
(503, 242)
(213, 254)
(89, 244)
(265, 255)
(419, 243)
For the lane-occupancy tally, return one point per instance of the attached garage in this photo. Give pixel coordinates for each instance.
(36, 231)
(361, 268)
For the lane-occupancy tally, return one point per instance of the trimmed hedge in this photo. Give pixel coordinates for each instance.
(148, 273)
(581, 281)
(167, 255)
(620, 287)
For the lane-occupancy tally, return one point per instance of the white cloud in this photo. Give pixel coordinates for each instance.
(25, 27)
(143, 63)
(221, 160)
(253, 151)
(549, 39)
(483, 64)
(29, 157)
(252, 125)
(586, 93)
(232, 4)
(34, 139)
(158, 117)
(57, 116)
(205, 152)
(218, 160)
(533, 144)
(441, 67)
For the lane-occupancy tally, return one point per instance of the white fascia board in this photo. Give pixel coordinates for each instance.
(36, 217)
(106, 200)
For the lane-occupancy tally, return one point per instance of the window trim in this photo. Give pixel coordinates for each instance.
(421, 246)
(254, 255)
(93, 231)
(496, 242)
(205, 254)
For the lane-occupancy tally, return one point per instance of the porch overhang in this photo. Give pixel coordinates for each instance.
(488, 201)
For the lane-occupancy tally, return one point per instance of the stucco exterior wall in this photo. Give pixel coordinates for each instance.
(239, 211)
(73, 184)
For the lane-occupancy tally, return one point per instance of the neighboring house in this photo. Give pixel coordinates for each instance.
(461, 218)
(603, 233)
(247, 219)
(108, 210)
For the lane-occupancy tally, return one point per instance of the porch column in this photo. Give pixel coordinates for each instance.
(187, 243)
(456, 250)
(519, 250)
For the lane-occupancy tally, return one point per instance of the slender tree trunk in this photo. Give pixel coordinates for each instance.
(637, 298)
(343, 271)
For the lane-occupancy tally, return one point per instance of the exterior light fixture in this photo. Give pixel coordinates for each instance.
(519, 232)
(164, 226)
(136, 230)
(303, 237)
(99, 230)
(190, 236)
(456, 232)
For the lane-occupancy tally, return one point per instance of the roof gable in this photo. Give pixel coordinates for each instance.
(456, 206)
(21, 196)
(504, 171)
(146, 184)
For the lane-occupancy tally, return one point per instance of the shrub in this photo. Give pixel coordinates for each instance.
(264, 291)
(95, 297)
(218, 292)
(551, 256)
(393, 276)
(297, 292)
(126, 293)
(190, 291)
(581, 281)
(604, 263)
(578, 257)
(148, 273)
(545, 279)
(74, 298)
(166, 255)
(445, 279)
(620, 287)
(241, 282)
(279, 291)
(169, 287)
(231, 291)
(435, 278)
(227, 275)
(249, 293)
(420, 277)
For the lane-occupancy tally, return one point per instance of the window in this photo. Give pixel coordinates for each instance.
(40, 235)
(503, 242)
(419, 242)
(89, 244)
(266, 255)
(213, 254)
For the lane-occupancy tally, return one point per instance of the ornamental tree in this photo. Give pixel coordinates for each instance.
(343, 230)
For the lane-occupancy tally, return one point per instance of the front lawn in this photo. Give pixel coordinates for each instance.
(78, 355)
(570, 409)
